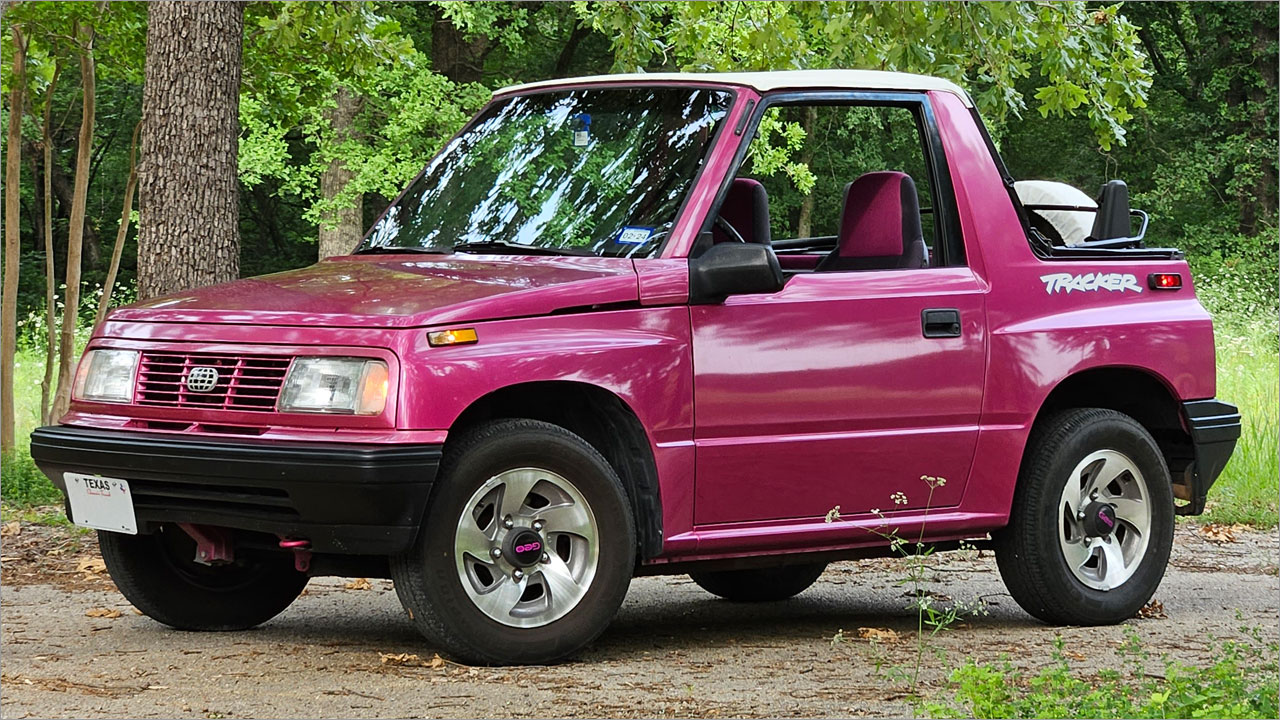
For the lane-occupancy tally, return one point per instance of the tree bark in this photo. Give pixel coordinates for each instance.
(75, 230)
(108, 285)
(12, 238)
(341, 229)
(188, 192)
(50, 271)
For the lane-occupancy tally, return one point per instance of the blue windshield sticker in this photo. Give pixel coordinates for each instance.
(634, 235)
(581, 129)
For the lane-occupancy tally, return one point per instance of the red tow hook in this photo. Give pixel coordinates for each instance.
(213, 544)
(301, 552)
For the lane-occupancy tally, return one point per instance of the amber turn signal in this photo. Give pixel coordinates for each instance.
(460, 336)
(1164, 281)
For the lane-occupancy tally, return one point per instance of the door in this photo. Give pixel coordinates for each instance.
(829, 393)
(865, 372)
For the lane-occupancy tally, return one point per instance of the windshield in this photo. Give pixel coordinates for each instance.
(576, 172)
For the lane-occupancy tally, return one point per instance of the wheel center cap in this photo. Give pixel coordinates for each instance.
(1099, 519)
(523, 548)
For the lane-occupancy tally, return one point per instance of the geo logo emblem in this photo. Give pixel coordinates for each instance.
(202, 379)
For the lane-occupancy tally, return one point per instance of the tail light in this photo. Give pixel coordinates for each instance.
(1165, 281)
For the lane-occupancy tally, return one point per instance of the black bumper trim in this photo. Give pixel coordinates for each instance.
(343, 497)
(1215, 428)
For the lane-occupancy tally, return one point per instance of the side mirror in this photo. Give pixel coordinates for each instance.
(733, 268)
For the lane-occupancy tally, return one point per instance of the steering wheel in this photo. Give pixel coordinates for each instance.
(729, 230)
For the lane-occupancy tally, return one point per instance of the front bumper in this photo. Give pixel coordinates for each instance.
(1215, 428)
(344, 498)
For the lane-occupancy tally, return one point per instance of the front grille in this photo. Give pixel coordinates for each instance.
(245, 382)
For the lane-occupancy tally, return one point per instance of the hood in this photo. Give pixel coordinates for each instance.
(385, 291)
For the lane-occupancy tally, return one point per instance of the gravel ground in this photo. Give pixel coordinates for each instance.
(73, 647)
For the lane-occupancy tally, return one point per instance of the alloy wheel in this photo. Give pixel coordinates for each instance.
(1104, 519)
(526, 547)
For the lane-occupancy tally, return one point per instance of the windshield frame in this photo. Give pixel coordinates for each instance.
(733, 91)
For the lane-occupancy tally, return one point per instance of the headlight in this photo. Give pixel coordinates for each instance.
(106, 376)
(356, 386)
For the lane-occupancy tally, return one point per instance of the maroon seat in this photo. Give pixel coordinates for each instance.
(746, 208)
(879, 225)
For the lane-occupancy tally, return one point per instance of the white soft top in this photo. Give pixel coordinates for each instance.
(773, 80)
(1073, 226)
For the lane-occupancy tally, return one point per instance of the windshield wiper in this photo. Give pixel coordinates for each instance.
(398, 250)
(500, 247)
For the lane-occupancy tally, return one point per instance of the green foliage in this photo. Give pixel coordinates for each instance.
(767, 159)
(297, 58)
(1089, 59)
(32, 328)
(1201, 158)
(22, 484)
(1241, 682)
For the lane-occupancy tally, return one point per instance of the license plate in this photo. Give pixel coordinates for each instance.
(101, 503)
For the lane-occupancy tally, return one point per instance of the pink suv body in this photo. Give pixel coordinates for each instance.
(747, 428)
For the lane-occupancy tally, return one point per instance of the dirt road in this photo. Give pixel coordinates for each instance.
(72, 646)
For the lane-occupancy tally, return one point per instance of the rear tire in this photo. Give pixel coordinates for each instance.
(158, 575)
(759, 584)
(535, 590)
(1061, 560)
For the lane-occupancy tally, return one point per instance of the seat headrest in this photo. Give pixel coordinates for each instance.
(1112, 220)
(881, 216)
(746, 208)
(880, 226)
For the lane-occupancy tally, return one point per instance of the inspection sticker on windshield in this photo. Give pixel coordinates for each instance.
(101, 503)
(634, 235)
(581, 130)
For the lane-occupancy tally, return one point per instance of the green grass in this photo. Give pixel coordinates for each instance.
(1239, 683)
(22, 485)
(1249, 377)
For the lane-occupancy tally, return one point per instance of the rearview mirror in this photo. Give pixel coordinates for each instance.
(733, 268)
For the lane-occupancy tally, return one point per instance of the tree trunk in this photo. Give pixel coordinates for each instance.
(341, 229)
(64, 192)
(579, 33)
(75, 229)
(804, 223)
(50, 271)
(123, 232)
(1262, 209)
(188, 192)
(12, 238)
(454, 55)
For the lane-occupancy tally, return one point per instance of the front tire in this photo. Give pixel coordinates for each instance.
(759, 584)
(527, 549)
(157, 573)
(1091, 526)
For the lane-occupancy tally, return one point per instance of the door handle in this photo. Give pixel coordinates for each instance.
(940, 322)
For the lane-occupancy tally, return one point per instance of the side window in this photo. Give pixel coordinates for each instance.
(849, 187)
